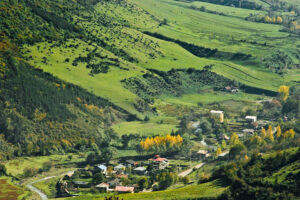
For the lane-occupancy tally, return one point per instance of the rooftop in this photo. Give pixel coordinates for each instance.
(202, 152)
(216, 111)
(140, 169)
(102, 185)
(124, 189)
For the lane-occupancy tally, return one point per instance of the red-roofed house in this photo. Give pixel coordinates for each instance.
(124, 189)
(159, 162)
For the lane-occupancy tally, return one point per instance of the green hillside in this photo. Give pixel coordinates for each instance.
(109, 51)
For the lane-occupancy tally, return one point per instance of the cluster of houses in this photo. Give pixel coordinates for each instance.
(251, 125)
(115, 175)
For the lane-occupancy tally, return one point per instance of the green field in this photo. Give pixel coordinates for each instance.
(16, 166)
(206, 190)
(144, 128)
(211, 97)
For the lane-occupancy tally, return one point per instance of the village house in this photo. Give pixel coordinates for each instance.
(114, 183)
(140, 170)
(158, 162)
(102, 187)
(68, 176)
(101, 168)
(248, 131)
(122, 176)
(251, 119)
(202, 154)
(120, 168)
(131, 163)
(80, 184)
(231, 89)
(219, 114)
(124, 189)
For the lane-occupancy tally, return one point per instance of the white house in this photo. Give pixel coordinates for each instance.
(251, 118)
(218, 113)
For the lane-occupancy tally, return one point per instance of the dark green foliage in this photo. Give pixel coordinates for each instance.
(237, 150)
(278, 61)
(247, 181)
(98, 178)
(2, 170)
(175, 82)
(46, 166)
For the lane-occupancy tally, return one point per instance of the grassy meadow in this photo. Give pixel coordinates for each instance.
(206, 190)
(17, 166)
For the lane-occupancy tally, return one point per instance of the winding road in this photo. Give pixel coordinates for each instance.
(39, 192)
(188, 171)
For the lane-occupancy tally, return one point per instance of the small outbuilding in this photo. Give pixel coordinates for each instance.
(251, 119)
(140, 170)
(218, 113)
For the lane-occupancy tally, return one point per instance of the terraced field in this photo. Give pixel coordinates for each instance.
(9, 191)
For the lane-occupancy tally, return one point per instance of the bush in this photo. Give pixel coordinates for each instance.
(2, 170)
(29, 172)
(46, 166)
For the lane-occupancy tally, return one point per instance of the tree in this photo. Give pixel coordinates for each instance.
(2, 170)
(224, 145)
(46, 166)
(98, 178)
(237, 150)
(263, 132)
(219, 151)
(279, 20)
(283, 92)
(278, 133)
(291, 133)
(91, 158)
(143, 183)
(234, 139)
(186, 180)
(268, 19)
(270, 133)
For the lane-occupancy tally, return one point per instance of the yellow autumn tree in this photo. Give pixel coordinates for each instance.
(263, 132)
(278, 133)
(270, 133)
(219, 151)
(274, 20)
(291, 133)
(268, 19)
(234, 139)
(283, 92)
(279, 20)
(161, 142)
